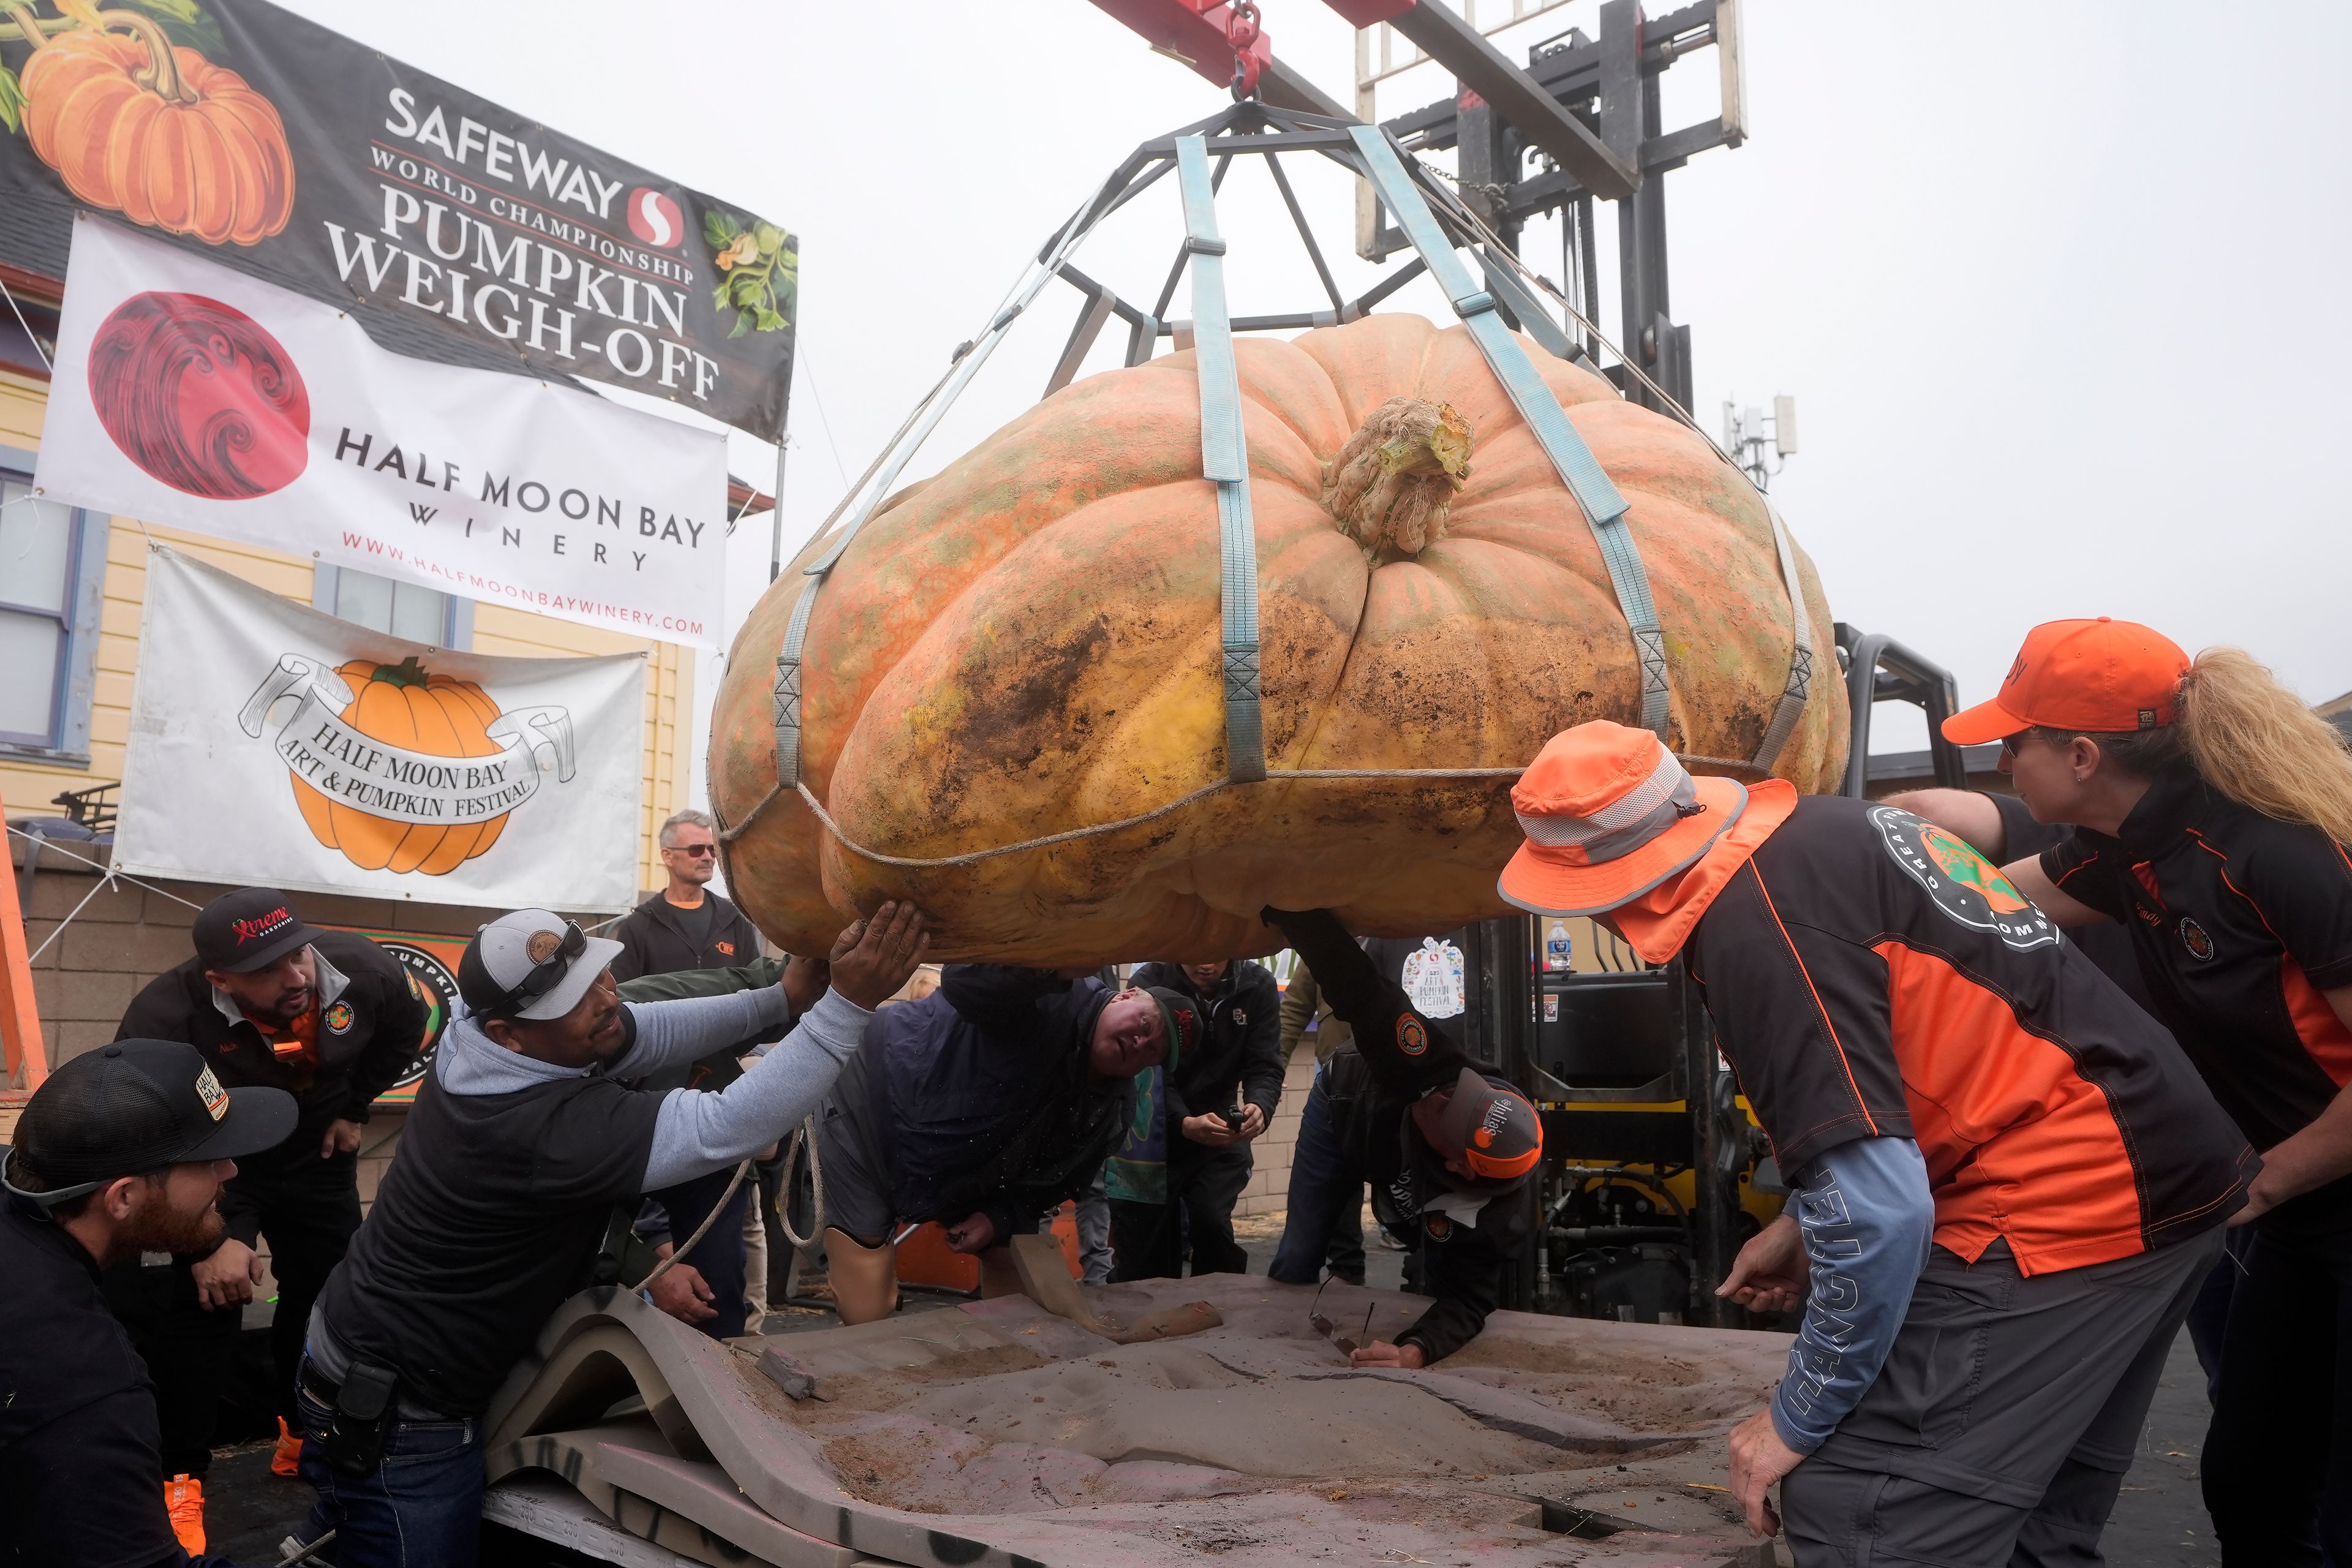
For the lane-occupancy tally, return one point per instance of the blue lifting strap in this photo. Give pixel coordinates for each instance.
(1604, 508)
(1225, 461)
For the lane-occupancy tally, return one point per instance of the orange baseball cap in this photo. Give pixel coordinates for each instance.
(1491, 1127)
(1609, 814)
(2095, 677)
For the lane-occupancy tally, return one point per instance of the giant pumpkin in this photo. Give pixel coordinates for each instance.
(407, 706)
(1029, 643)
(158, 133)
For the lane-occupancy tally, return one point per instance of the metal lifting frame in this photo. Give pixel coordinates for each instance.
(1437, 224)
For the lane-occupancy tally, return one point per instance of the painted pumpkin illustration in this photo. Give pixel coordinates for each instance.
(156, 133)
(406, 706)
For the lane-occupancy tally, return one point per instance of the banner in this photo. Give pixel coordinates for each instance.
(452, 227)
(431, 961)
(191, 395)
(272, 744)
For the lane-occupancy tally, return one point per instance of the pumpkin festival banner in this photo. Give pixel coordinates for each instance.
(280, 746)
(451, 227)
(188, 393)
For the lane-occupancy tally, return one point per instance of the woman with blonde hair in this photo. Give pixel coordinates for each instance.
(2212, 808)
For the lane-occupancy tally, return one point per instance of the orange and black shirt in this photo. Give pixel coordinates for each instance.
(2239, 922)
(1870, 975)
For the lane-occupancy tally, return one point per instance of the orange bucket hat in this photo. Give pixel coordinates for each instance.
(1609, 814)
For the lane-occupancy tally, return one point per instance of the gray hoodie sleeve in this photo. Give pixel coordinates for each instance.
(691, 1027)
(696, 1133)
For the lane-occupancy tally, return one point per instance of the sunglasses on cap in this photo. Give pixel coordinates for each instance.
(548, 972)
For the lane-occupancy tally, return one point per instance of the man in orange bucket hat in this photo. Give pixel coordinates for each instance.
(1991, 1260)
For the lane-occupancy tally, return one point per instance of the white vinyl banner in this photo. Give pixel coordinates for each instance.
(190, 393)
(275, 745)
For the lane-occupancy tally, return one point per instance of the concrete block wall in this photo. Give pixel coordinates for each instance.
(125, 934)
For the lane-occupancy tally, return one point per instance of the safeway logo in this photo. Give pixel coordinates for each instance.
(654, 218)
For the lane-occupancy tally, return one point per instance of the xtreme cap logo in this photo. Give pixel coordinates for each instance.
(274, 920)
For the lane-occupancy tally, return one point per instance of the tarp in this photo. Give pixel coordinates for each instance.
(453, 227)
(189, 393)
(273, 744)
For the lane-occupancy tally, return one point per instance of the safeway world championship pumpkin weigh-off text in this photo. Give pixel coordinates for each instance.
(449, 227)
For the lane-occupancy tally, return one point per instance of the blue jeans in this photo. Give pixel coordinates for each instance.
(1324, 1189)
(420, 1508)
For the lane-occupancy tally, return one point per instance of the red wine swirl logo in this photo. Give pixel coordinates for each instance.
(200, 396)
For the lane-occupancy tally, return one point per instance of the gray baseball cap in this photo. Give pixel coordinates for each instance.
(532, 963)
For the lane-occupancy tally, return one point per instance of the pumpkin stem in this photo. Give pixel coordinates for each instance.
(1393, 483)
(161, 76)
(406, 674)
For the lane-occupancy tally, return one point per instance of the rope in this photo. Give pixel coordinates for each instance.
(19, 312)
(48, 843)
(1155, 814)
(102, 885)
(805, 1134)
(678, 1254)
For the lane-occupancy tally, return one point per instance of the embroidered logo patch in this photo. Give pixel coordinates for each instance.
(2194, 938)
(726, 947)
(1413, 1039)
(1439, 1226)
(337, 1018)
(1965, 885)
(1241, 1016)
(209, 1091)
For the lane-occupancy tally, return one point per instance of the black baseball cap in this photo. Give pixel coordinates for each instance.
(137, 1106)
(248, 930)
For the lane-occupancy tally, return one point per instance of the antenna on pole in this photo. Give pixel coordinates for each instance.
(1758, 442)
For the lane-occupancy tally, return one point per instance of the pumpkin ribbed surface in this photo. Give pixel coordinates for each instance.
(1029, 643)
(217, 168)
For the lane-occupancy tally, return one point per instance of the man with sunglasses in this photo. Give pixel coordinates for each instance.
(684, 928)
(525, 1136)
(687, 925)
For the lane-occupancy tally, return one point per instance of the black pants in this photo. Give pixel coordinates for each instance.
(1149, 1240)
(1345, 1257)
(187, 1351)
(308, 1212)
(2278, 1457)
(719, 1255)
(1999, 1432)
